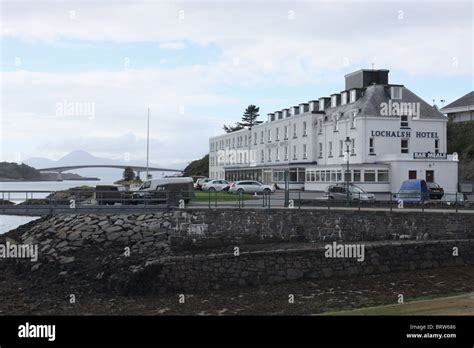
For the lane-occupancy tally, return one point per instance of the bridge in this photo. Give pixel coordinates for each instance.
(138, 169)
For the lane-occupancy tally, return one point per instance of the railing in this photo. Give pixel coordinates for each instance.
(45, 202)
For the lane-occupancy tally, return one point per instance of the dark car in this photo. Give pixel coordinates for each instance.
(434, 190)
(111, 194)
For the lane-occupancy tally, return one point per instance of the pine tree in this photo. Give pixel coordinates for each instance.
(249, 119)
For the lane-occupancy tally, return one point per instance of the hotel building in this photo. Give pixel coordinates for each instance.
(390, 133)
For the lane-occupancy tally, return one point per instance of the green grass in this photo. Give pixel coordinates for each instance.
(221, 197)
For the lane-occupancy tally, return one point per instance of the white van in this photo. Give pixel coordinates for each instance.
(166, 189)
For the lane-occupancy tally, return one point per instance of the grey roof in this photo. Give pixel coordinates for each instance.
(370, 103)
(465, 100)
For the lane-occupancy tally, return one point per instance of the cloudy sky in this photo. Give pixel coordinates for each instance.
(81, 75)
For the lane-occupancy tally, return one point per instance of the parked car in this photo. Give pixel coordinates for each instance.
(339, 192)
(413, 190)
(111, 194)
(434, 190)
(167, 190)
(200, 182)
(216, 185)
(250, 186)
(454, 198)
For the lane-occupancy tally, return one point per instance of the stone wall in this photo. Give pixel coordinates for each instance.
(200, 272)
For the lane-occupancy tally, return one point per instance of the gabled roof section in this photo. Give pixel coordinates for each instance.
(374, 96)
(464, 101)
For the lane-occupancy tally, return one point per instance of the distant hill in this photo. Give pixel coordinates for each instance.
(198, 167)
(11, 170)
(461, 140)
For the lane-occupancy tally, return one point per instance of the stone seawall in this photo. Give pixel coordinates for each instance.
(201, 272)
(179, 249)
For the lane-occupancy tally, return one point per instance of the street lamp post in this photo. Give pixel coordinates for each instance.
(348, 143)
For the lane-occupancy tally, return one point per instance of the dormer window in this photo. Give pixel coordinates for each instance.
(333, 101)
(353, 96)
(344, 98)
(396, 92)
(321, 105)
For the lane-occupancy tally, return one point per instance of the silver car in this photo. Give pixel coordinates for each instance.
(251, 186)
(339, 192)
(216, 185)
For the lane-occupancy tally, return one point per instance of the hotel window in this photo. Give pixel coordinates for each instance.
(286, 153)
(320, 126)
(240, 157)
(333, 175)
(336, 123)
(294, 130)
(305, 129)
(305, 154)
(286, 132)
(255, 140)
(320, 150)
(262, 138)
(330, 149)
(277, 135)
(262, 156)
(357, 175)
(436, 145)
(341, 148)
(233, 143)
(353, 96)
(317, 177)
(269, 135)
(353, 146)
(269, 159)
(277, 157)
(246, 141)
(396, 92)
(404, 121)
(333, 101)
(344, 98)
(353, 119)
(245, 157)
(371, 146)
(294, 152)
(382, 175)
(369, 175)
(339, 175)
(404, 145)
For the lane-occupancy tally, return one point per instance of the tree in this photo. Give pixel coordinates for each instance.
(198, 167)
(230, 129)
(249, 119)
(128, 174)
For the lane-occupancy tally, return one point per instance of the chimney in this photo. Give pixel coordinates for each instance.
(365, 77)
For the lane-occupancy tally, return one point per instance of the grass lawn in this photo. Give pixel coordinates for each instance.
(221, 197)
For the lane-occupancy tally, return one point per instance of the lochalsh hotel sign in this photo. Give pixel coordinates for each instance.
(403, 134)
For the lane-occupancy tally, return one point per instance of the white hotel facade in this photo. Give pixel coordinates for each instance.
(393, 135)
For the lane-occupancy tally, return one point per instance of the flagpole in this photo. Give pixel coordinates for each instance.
(147, 143)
